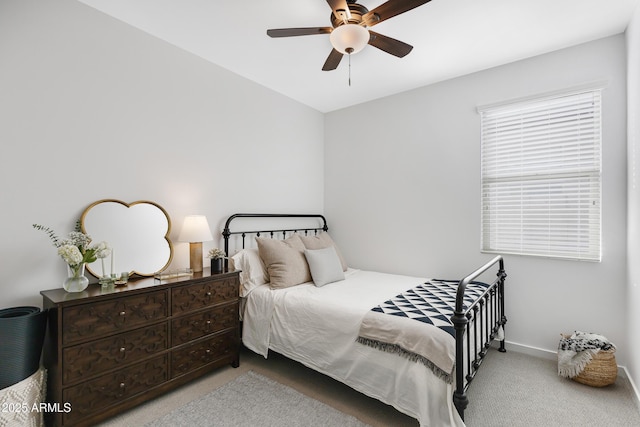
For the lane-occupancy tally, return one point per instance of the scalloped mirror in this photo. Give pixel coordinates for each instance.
(137, 232)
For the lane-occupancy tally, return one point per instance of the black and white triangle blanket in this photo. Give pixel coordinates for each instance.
(416, 324)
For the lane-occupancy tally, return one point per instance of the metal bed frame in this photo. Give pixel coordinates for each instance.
(483, 318)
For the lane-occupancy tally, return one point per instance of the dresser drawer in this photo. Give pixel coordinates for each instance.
(95, 395)
(98, 356)
(204, 352)
(200, 295)
(86, 321)
(192, 326)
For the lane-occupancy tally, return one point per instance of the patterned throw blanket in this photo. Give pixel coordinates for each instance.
(577, 350)
(416, 324)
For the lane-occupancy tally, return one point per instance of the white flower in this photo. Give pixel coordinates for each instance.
(79, 239)
(71, 254)
(216, 253)
(102, 250)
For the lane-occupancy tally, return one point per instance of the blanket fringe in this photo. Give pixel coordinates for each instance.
(571, 364)
(396, 349)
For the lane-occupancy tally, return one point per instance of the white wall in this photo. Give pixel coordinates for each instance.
(91, 108)
(633, 162)
(402, 191)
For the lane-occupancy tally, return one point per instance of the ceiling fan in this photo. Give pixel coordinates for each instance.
(349, 33)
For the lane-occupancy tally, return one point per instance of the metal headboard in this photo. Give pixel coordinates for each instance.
(227, 232)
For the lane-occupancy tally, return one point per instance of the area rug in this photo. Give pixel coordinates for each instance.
(255, 400)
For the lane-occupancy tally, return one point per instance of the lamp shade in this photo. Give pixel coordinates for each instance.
(195, 228)
(349, 38)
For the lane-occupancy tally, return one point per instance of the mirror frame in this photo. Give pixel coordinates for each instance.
(128, 205)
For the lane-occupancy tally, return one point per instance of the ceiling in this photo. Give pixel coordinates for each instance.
(450, 38)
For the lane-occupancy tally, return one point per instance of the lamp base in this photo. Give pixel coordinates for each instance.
(195, 256)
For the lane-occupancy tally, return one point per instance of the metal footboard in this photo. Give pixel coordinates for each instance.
(482, 321)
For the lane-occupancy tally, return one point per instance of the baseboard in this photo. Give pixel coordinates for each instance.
(553, 355)
(529, 350)
(633, 384)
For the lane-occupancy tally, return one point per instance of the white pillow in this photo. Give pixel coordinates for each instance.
(321, 241)
(325, 265)
(253, 272)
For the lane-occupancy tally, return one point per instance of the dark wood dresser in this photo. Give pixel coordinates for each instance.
(106, 351)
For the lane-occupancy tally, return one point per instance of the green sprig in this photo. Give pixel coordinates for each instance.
(52, 235)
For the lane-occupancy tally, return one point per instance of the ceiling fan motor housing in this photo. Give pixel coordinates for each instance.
(341, 18)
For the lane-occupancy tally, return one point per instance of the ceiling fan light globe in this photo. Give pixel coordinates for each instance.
(349, 38)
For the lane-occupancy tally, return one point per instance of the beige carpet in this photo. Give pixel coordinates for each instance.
(511, 389)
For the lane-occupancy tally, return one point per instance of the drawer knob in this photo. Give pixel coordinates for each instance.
(208, 322)
(122, 349)
(122, 313)
(207, 351)
(208, 294)
(121, 385)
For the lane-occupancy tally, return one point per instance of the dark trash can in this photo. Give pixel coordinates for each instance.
(22, 332)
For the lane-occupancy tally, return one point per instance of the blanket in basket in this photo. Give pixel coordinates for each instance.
(577, 350)
(416, 324)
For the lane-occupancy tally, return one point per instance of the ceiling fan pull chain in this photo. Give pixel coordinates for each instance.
(349, 50)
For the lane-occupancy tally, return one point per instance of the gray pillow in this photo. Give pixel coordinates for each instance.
(325, 265)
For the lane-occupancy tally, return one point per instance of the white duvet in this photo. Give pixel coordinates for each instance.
(319, 327)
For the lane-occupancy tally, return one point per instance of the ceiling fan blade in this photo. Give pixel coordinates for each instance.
(390, 9)
(292, 32)
(333, 60)
(340, 9)
(389, 45)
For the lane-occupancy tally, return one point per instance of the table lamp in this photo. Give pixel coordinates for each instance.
(195, 230)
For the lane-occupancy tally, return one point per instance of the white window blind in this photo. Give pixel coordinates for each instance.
(541, 177)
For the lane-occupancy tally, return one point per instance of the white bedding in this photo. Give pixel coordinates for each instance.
(319, 327)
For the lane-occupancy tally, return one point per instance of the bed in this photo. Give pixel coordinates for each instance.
(340, 326)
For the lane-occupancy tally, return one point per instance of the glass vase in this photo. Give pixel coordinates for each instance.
(75, 281)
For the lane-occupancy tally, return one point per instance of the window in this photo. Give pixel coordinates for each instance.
(541, 176)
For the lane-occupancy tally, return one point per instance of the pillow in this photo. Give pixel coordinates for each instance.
(253, 272)
(284, 260)
(325, 265)
(321, 241)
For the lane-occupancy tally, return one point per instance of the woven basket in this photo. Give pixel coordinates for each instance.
(601, 371)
